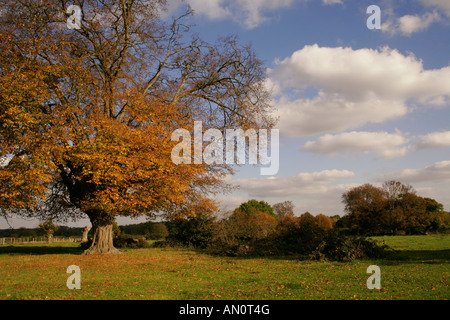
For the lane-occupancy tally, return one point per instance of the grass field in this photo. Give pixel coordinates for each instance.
(419, 269)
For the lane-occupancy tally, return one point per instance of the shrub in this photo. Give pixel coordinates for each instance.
(122, 241)
(340, 247)
(243, 234)
(298, 237)
(260, 234)
(197, 231)
(157, 231)
(127, 241)
(302, 237)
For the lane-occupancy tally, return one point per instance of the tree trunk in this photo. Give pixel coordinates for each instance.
(85, 234)
(102, 242)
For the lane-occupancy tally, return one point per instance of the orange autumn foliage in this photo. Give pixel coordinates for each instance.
(324, 222)
(87, 115)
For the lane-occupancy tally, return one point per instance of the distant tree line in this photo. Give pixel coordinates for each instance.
(62, 231)
(150, 230)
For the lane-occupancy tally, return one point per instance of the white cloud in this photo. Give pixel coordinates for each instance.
(327, 2)
(354, 87)
(384, 144)
(255, 10)
(333, 113)
(409, 24)
(230, 202)
(316, 192)
(434, 140)
(250, 13)
(443, 5)
(303, 183)
(439, 172)
(212, 9)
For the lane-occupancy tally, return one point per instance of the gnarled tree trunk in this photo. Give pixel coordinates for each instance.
(85, 234)
(102, 226)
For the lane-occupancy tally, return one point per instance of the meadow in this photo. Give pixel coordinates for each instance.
(417, 269)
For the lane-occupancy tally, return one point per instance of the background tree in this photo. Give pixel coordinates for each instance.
(324, 222)
(253, 206)
(342, 223)
(254, 226)
(304, 236)
(307, 218)
(84, 237)
(365, 206)
(284, 210)
(416, 220)
(438, 217)
(396, 194)
(158, 231)
(48, 228)
(195, 231)
(87, 114)
(393, 208)
(335, 218)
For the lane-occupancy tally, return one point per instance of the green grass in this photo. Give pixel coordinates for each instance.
(418, 269)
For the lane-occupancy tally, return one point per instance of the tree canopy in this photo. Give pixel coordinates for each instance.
(253, 206)
(390, 209)
(87, 114)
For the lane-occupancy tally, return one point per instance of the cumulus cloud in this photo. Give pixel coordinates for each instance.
(434, 140)
(230, 202)
(316, 192)
(303, 183)
(250, 13)
(443, 5)
(354, 87)
(333, 113)
(255, 11)
(438, 172)
(385, 145)
(409, 24)
(212, 9)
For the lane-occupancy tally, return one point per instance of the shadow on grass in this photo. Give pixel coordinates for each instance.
(418, 256)
(40, 249)
(391, 257)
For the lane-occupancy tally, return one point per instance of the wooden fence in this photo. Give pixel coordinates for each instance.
(7, 241)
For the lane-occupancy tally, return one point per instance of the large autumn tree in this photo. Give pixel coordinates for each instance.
(87, 113)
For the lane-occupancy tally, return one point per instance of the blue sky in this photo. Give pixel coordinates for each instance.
(368, 105)
(355, 105)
